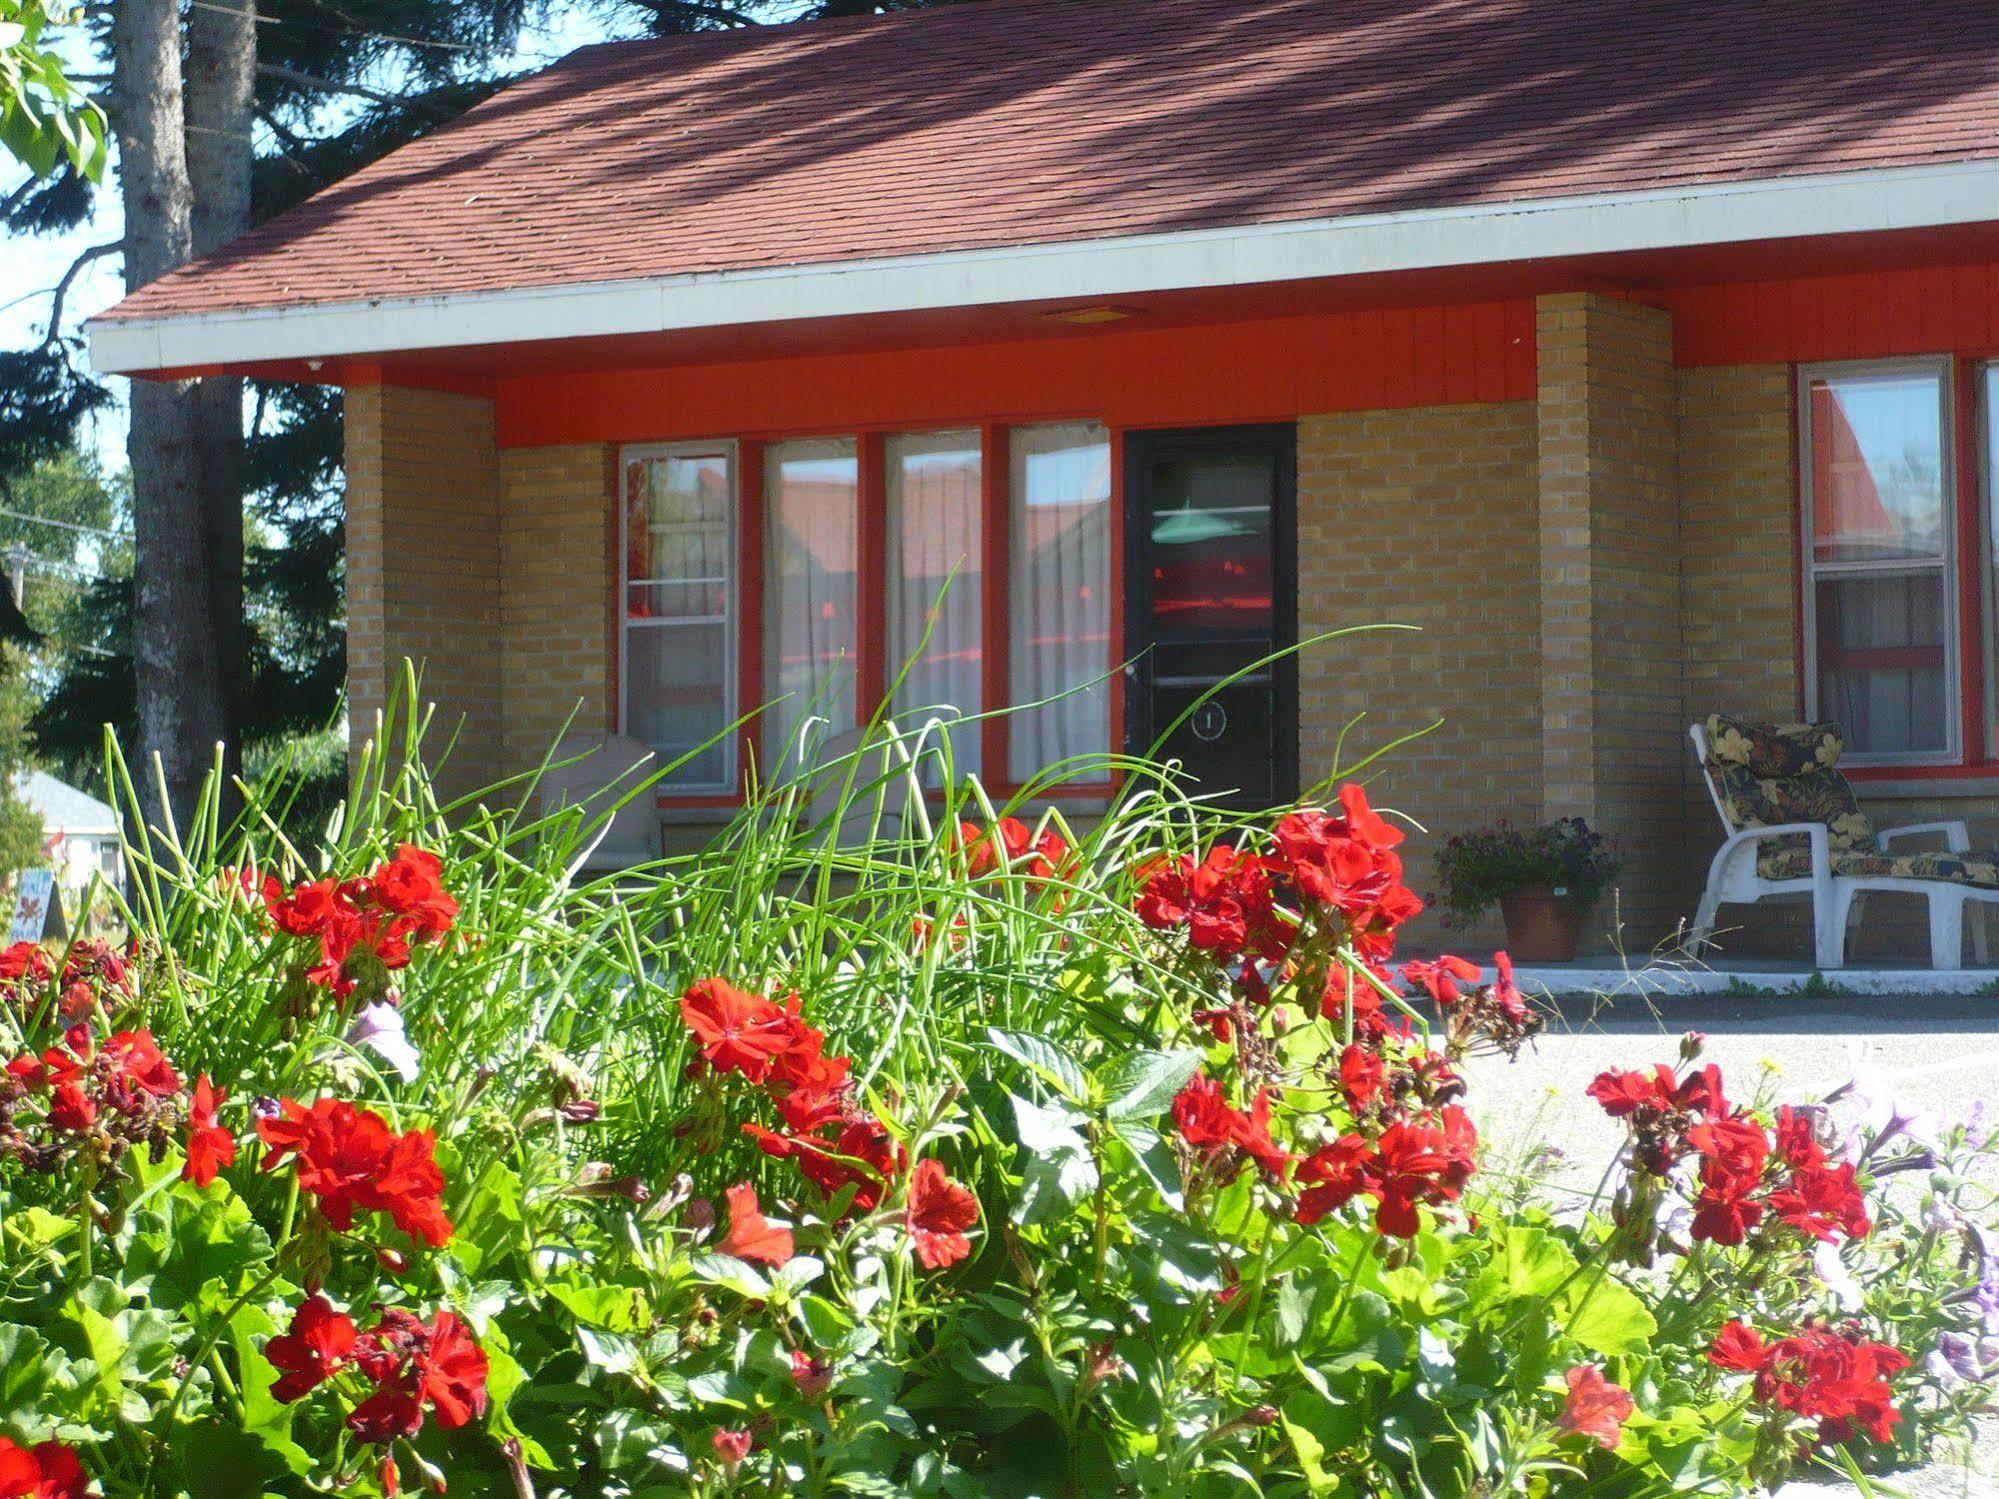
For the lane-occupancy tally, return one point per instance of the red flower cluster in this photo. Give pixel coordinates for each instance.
(1841, 1382)
(1493, 1016)
(1008, 846)
(365, 928)
(1225, 1137)
(106, 1096)
(1225, 901)
(1670, 1117)
(349, 1158)
(1414, 1161)
(414, 1366)
(939, 1211)
(1346, 865)
(48, 1470)
(91, 970)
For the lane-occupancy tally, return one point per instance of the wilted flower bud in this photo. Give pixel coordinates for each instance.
(1692, 1044)
(392, 1260)
(1261, 1415)
(699, 1215)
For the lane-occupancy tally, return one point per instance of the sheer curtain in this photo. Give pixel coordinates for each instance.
(810, 601)
(1059, 621)
(936, 579)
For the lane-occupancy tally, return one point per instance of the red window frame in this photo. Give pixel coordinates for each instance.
(996, 539)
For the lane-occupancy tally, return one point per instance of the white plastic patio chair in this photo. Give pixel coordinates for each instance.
(606, 768)
(1733, 878)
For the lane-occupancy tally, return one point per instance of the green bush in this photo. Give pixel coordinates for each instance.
(994, 1158)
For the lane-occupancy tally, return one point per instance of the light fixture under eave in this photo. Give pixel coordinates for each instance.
(1085, 317)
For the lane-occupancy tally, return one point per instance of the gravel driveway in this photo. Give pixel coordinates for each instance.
(1940, 1052)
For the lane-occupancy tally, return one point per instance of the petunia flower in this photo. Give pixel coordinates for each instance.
(751, 1235)
(1595, 1408)
(379, 1027)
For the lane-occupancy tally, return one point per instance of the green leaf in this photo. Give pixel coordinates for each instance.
(613, 1308)
(731, 1274)
(1155, 1160)
(1606, 1317)
(1144, 1084)
(1045, 1060)
(1294, 1310)
(1059, 1172)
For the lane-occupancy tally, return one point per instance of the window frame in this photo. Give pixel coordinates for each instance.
(729, 449)
(1943, 368)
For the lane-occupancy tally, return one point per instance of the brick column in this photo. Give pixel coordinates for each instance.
(558, 534)
(423, 569)
(1612, 745)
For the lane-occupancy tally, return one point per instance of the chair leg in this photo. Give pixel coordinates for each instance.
(1704, 914)
(1946, 929)
(1829, 930)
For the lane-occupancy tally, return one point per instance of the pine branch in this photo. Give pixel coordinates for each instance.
(336, 86)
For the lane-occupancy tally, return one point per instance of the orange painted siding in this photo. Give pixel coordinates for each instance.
(1863, 315)
(1272, 369)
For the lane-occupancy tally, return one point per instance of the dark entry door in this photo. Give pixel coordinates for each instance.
(1211, 568)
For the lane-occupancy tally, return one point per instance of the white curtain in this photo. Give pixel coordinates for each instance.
(810, 602)
(1059, 620)
(935, 580)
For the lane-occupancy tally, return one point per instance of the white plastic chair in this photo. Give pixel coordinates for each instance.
(606, 767)
(1732, 879)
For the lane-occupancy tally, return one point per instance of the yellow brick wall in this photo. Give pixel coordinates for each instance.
(1424, 517)
(558, 532)
(423, 566)
(1609, 569)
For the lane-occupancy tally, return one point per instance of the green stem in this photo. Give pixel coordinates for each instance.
(209, 1339)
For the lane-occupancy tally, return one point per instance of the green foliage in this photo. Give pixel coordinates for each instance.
(1474, 870)
(45, 119)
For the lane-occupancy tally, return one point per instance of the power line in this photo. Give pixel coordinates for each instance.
(44, 520)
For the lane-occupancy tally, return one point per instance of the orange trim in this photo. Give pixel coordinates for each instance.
(871, 664)
(750, 598)
(1116, 601)
(995, 600)
(1875, 314)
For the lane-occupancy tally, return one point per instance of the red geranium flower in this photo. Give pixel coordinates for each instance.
(1819, 1374)
(316, 1345)
(1595, 1408)
(1822, 1202)
(1440, 979)
(349, 1158)
(731, 1446)
(751, 1235)
(738, 1032)
(305, 910)
(1208, 1123)
(412, 884)
(48, 1470)
(417, 1365)
(939, 1213)
(210, 1147)
(1225, 901)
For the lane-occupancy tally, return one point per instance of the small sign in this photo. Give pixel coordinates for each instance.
(37, 907)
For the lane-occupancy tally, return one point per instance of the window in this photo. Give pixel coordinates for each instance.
(811, 625)
(1880, 596)
(1059, 609)
(936, 546)
(678, 670)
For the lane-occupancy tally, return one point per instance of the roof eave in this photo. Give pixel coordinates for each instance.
(1867, 201)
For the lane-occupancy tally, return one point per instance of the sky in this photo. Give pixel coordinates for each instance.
(30, 266)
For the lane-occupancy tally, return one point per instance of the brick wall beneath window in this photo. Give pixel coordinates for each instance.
(1424, 517)
(557, 638)
(423, 567)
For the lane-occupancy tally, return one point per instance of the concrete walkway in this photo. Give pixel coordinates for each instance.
(1939, 1051)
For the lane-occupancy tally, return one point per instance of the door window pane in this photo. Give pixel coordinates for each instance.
(1210, 533)
(678, 679)
(679, 574)
(935, 581)
(1060, 624)
(810, 496)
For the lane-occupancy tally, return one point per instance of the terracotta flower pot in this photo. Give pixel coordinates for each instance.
(1542, 924)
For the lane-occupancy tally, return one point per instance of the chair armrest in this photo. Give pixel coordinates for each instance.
(1816, 838)
(1956, 836)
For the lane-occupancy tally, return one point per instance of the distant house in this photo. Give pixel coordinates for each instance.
(79, 832)
(1639, 354)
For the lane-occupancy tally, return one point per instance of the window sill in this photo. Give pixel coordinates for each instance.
(1975, 781)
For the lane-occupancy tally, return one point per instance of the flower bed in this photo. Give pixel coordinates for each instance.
(999, 1160)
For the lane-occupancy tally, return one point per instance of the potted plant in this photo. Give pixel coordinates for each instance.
(1542, 878)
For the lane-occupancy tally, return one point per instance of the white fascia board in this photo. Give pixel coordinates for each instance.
(1886, 198)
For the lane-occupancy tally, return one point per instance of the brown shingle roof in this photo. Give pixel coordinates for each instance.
(1033, 121)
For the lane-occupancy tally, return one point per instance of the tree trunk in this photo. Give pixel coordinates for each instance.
(221, 92)
(173, 636)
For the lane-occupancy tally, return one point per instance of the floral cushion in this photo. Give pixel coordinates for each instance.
(1768, 774)
(1978, 868)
